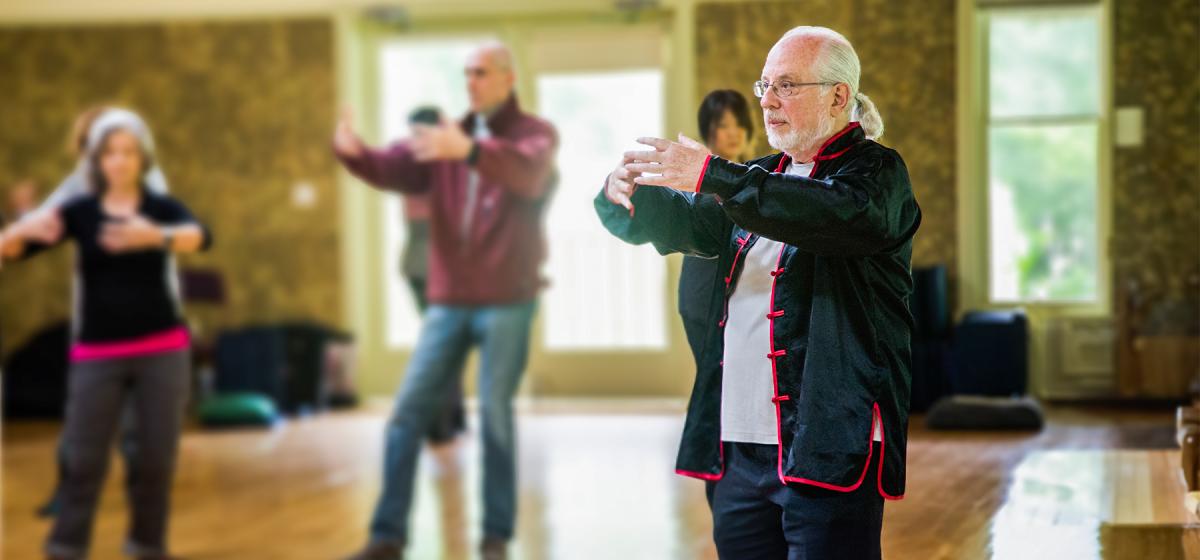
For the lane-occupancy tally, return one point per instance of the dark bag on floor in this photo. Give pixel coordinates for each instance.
(250, 360)
(35, 375)
(930, 337)
(991, 354)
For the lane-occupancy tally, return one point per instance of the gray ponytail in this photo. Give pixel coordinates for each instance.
(868, 116)
(837, 62)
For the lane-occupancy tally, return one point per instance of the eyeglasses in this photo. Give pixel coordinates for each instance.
(784, 89)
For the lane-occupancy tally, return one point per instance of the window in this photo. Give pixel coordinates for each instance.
(1043, 118)
(603, 294)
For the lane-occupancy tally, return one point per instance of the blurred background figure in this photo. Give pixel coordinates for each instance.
(414, 265)
(22, 199)
(132, 345)
(489, 177)
(451, 420)
(725, 126)
(76, 185)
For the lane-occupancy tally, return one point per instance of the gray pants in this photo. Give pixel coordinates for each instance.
(158, 386)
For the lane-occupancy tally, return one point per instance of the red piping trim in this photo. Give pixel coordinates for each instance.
(700, 179)
(851, 126)
(706, 476)
(861, 477)
(783, 163)
(741, 241)
(775, 373)
(819, 157)
(832, 156)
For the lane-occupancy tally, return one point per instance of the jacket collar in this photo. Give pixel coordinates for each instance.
(505, 115)
(834, 147)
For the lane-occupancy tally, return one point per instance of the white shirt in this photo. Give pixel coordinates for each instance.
(748, 383)
(480, 132)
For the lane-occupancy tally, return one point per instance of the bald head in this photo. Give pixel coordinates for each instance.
(798, 52)
(490, 76)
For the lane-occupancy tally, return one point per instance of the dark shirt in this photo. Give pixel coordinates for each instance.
(127, 295)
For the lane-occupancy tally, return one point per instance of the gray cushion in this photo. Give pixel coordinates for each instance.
(964, 412)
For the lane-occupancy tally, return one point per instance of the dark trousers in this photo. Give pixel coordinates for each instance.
(128, 449)
(757, 517)
(158, 387)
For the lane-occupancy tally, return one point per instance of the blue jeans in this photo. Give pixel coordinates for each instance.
(447, 335)
(756, 517)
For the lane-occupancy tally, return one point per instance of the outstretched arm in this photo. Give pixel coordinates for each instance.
(864, 209)
(393, 168)
(31, 234)
(673, 222)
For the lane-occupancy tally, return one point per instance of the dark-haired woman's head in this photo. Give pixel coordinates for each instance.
(725, 125)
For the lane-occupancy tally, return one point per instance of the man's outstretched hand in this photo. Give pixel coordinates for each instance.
(619, 188)
(675, 165)
(345, 141)
(444, 141)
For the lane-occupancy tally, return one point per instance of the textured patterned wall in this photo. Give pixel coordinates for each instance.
(1156, 187)
(907, 54)
(241, 111)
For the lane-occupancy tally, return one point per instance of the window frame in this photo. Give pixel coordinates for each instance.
(973, 189)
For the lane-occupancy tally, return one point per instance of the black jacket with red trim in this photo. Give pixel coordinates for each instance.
(840, 321)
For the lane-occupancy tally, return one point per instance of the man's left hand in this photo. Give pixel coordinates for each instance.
(446, 141)
(675, 165)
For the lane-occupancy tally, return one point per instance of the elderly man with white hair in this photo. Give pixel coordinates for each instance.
(799, 412)
(489, 178)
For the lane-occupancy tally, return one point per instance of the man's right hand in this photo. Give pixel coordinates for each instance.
(620, 186)
(345, 142)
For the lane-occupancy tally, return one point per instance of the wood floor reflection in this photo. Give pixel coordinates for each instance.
(596, 482)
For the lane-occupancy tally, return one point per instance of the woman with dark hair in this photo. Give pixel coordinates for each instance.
(131, 342)
(724, 124)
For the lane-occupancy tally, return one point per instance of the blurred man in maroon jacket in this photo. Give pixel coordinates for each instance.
(488, 177)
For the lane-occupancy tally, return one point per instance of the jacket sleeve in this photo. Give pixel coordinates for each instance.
(524, 163)
(393, 168)
(674, 222)
(865, 208)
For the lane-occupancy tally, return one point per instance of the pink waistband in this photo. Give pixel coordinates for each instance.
(157, 343)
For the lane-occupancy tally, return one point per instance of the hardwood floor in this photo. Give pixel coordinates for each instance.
(596, 482)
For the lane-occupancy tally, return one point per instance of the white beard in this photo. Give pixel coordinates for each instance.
(801, 140)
